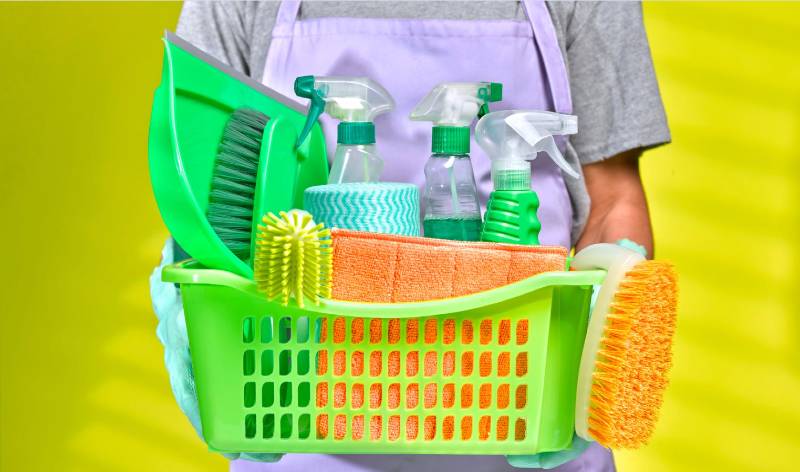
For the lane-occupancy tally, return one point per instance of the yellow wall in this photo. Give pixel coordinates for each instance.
(83, 384)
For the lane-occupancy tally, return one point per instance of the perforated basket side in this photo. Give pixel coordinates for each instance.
(497, 378)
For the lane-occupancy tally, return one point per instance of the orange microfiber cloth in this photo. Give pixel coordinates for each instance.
(373, 267)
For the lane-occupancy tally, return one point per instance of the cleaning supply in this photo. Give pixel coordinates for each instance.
(383, 207)
(356, 101)
(487, 373)
(233, 182)
(450, 199)
(293, 258)
(511, 139)
(628, 349)
(222, 153)
(381, 268)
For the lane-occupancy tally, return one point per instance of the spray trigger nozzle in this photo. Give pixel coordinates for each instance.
(457, 103)
(348, 99)
(538, 133)
(304, 87)
(512, 138)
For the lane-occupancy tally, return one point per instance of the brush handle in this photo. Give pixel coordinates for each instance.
(616, 261)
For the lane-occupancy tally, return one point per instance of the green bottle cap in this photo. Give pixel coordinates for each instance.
(362, 132)
(450, 140)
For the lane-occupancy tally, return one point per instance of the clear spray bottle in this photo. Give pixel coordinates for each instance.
(512, 139)
(355, 101)
(450, 196)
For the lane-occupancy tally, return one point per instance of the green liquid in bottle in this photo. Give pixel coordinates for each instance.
(458, 229)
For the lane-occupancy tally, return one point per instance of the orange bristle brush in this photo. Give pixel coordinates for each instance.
(628, 349)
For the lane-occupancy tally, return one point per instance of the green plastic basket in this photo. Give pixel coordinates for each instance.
(340, 377)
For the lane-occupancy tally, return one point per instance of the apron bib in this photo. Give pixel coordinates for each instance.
(410, 57)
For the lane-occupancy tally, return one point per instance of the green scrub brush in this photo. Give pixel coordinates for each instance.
(233, 183)
(293, 258)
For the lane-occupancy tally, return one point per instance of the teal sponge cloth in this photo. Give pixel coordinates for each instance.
(383, 207)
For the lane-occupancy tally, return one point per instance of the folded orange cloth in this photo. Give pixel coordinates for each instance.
(373, 267)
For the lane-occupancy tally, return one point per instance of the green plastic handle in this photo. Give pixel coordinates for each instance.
(511, 218)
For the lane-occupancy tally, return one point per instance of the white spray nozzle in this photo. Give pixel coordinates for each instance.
(457, 103)
(353, 99)
(349, 99)
(512, 138)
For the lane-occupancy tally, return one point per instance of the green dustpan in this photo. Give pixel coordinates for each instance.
(192, 104)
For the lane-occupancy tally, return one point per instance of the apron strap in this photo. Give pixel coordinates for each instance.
(544, 33)
(287, 14)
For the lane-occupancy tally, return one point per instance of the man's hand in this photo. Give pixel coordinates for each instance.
(619, 206)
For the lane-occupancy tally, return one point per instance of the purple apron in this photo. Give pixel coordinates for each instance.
(410, 57)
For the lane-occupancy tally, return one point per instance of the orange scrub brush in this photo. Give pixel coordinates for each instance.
(628, 349)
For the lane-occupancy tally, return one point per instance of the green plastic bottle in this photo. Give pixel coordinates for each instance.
(450, 196)
(511, 139)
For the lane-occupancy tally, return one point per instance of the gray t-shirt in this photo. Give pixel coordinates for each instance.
(614, 89)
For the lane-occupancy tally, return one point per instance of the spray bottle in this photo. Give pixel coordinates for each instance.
(450, 195)
(511, 139)
(356, 101)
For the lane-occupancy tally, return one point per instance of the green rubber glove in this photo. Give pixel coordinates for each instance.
(171, 332)
(550, 460)
(633, 246)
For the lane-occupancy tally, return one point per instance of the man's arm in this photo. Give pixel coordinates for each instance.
(616, 98)
(619, 206)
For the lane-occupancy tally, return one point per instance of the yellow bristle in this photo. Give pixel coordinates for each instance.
(293, 258)
(634, 358)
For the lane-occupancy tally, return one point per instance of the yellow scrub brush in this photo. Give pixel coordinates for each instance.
(628, 349)
(293, 258)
